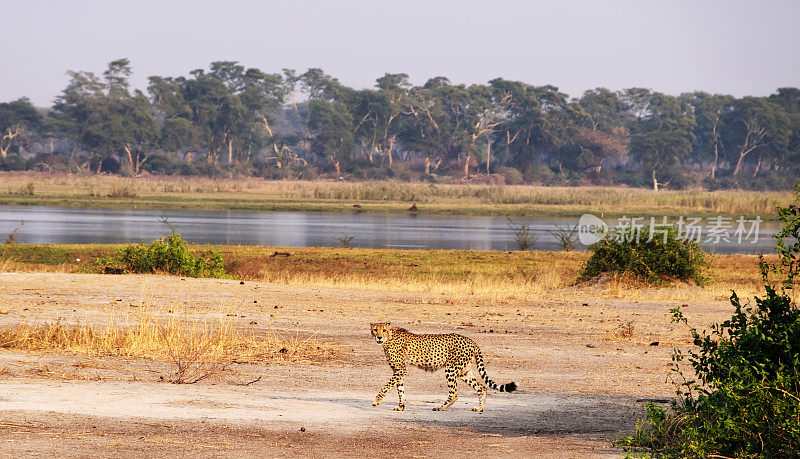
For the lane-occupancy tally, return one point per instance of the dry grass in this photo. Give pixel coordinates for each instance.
(378, 196)
(196, 348)
(487, 276)
(9, 265)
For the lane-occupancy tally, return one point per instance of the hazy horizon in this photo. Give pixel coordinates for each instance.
(736, 48)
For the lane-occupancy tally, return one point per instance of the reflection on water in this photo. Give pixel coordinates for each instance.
(54, 225)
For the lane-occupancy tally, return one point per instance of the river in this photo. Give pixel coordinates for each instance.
(61, 225)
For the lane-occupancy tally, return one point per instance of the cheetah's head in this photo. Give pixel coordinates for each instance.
(381, 332)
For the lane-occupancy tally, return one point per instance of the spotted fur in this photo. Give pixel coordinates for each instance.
(452, 352)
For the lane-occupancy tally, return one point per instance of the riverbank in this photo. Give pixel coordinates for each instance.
(251, 194)
(489, 275)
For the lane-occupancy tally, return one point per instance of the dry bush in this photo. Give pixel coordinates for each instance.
(11, 239)
(566, 235)
(197, 349)
(623, 331)
(124, 190)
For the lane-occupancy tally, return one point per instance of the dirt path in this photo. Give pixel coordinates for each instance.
(579, 377)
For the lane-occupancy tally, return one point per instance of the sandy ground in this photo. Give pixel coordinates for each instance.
(579, 379)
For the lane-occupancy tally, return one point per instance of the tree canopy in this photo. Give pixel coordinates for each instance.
(230, 119)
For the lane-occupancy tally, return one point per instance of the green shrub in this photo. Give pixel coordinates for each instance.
(658, 260)
(170, 254)
(538, 173)
(512, 176)
(744, 397)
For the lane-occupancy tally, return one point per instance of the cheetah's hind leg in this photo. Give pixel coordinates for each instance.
(473, 382)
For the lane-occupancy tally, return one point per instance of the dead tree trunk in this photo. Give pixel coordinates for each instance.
(8, 140)
(488, 154)
(752, 140)
(716, 147)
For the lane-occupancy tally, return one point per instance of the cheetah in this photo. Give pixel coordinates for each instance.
(431, 352)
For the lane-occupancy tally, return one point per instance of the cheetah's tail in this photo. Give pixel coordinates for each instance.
(509, 387)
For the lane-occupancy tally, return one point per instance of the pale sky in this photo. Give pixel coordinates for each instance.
(734, 47)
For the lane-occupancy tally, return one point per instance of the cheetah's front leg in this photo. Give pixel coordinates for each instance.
(396, 380)
(452, 389)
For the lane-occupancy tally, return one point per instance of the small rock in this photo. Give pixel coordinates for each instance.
(302, 429)
(241, 283)
(591, 346)
(3, 311)
(654, 343)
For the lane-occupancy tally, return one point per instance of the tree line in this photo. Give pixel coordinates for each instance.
(234, 120)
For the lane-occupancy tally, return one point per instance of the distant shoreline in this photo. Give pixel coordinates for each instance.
(251, 194)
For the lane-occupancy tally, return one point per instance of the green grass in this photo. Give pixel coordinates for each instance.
(33, 255)
(92, 191)
(256, 262)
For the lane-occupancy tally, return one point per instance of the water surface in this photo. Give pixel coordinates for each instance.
(60, 225)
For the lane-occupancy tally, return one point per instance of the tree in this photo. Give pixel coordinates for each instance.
(19, 120)
(127, 126)
(597, 146)
(524, 123)
(174, 116)
(757, 124)
(116, 76)
(217, 112)
(662, 130)
(604, 109)
(104, 118)
(262, 95)
(709, 110)
(789, 99)
(77, 110)
(561, 120)
(491, 108)
(129, 129)
(331, 127)
(379, 114)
